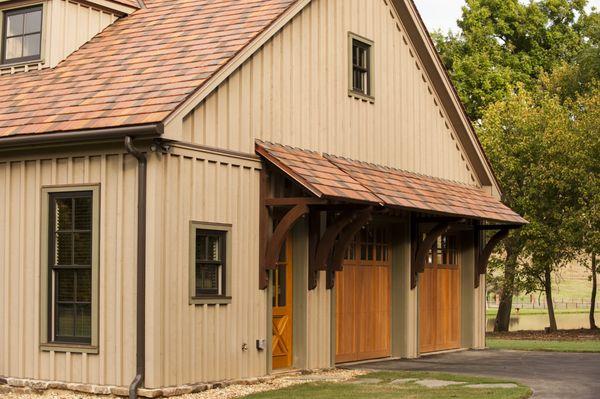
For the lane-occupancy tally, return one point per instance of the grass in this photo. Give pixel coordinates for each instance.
(546, 346)
(384, 390)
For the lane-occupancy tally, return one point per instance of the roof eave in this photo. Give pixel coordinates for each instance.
(82, 136)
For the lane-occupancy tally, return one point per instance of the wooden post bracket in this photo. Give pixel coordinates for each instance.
(362, 218)
(421, 248)
(325, 244)
(274, 244)
(482, 257)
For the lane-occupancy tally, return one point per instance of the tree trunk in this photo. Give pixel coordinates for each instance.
(594, 289)
(502, 322)
(549, 302)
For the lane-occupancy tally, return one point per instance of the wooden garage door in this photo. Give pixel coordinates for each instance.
(363, 299)
(439, 298)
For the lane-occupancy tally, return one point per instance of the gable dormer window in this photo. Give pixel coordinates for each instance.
(21, 35)
(361, 67)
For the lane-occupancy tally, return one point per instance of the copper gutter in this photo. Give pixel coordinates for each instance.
(80, 136)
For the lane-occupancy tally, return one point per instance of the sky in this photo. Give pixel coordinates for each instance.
(442, 14)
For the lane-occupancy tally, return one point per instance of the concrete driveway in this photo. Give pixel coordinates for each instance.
(551, 375)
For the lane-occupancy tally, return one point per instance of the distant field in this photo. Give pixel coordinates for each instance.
(572, 283)
(493, 312)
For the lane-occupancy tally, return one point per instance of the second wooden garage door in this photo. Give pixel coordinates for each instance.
(363, 299)
(439, 299)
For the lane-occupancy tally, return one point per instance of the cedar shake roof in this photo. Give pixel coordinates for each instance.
(138, 70)
(130, 3)
(329, 176)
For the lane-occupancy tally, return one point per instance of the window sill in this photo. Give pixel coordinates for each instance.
(361, 96)
(72, 348)
(207, 300)
(21, 63)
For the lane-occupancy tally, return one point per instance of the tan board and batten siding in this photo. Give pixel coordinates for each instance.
(70, 25)
(295, 91)
(203, 342)
(21, 181)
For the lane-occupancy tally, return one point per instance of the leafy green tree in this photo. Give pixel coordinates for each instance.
(503, 42)
(586, 110)
(531, 142)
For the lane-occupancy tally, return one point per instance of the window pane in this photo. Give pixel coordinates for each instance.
(378, 253)
(207, 277)
(33, 22)
(83, 325)
(363, 252)
(14, 25)
(31, 45)
(83, 249)
(84, 286)
(214, 252)
(370, 252)
(282, 286)
(65, 290)
(64, 214)
(283, 253)
(14, 48)
(64, 249)
(83, 213)
(65, 320)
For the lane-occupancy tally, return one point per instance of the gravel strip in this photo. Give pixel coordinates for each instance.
(230, 392)
(239, 391)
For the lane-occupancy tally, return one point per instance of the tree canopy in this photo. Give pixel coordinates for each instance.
(502, 42)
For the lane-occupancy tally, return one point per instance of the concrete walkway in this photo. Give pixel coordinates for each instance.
(551, 375)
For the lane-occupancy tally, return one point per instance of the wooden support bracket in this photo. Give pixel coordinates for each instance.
(323, 245)
(363, 218)
(482, 258)
(274, 244)
(422, 248)
(327, 241)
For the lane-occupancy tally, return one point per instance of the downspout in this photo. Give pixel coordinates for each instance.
(140, 357)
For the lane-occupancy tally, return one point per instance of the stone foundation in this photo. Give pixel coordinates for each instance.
(21, 385)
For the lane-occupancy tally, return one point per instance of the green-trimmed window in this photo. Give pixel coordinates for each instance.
(70, 269)
(22, 34)
(209, 263)
(361, 67)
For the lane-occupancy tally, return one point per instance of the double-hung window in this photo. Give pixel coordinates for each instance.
(209, 263)
(22, 35)
(361, 67)
(70, 272)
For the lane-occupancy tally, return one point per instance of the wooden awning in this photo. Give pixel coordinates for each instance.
(331, 177)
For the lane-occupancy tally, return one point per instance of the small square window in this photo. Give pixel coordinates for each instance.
(361, 66)
(209, 263)
(22, 35)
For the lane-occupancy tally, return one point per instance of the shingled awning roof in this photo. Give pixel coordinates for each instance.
(328, 176)
(138, 70)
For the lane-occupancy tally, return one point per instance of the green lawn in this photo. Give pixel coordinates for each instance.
(548, 346)
(384, 390)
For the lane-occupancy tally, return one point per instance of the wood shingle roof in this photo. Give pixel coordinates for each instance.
(138, 70)
(329, 176)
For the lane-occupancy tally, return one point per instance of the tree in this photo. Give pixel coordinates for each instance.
(586, 110)
(531, 143)
(502, 42)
